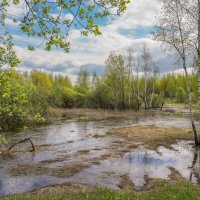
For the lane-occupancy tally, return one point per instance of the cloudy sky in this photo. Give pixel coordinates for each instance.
(129, 31)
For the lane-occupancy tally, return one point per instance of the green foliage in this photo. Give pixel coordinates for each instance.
(34, 94)
(158, 101)
(3, 140)
(100, 97)
(193, 78)
(41, 79)
(39, 119)
(116, 76)
(14, 97)
(180, 95)
(80, 100)
(83, 82)
(29, 96)
(46, 19)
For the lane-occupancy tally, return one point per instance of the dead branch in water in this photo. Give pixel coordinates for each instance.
(22, 141)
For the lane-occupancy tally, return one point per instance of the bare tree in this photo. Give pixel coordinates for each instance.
(191, 9)
(130, 76)
(155, 74)
(146, 66)
(137, 93)
(133, 80)
(175, 35)
(198, 51)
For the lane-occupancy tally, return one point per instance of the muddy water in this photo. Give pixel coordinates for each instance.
(81, 152)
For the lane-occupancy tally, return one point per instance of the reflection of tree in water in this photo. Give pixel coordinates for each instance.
(140, 161)
(1, 186)
(195, 168)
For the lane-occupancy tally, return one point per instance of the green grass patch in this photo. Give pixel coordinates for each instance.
(159, 190)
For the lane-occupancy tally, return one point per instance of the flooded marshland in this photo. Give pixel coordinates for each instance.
(82, 151)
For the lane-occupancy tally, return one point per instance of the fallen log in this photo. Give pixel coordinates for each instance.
(23, 141)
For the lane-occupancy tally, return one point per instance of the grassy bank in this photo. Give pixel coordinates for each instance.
(159, 190)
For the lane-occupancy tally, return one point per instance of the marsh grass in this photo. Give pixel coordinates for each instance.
(151, 136)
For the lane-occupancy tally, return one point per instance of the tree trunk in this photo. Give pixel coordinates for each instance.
(196, 139)
(138, 86)
(152, 96)
(145, 91)
(198, 55)
(183, 55)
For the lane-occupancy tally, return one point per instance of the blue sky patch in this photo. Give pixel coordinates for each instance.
(137, 33)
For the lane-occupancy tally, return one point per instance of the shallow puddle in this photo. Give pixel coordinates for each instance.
(142, 164)
(82, 152)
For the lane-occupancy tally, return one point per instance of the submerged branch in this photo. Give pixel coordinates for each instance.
(23, 141)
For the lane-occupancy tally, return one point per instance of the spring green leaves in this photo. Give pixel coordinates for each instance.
(47, 19)
(3, 140)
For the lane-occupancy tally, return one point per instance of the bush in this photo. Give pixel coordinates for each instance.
(14, 97)
(180, 95)
(158, 101)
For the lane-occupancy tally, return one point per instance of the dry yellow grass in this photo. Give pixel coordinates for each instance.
(95, 113)
(152, 136)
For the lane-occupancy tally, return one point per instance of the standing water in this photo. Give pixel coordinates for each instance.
(82, 152)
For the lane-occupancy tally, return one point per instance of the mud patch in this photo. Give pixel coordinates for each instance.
(61, 159)
(83, 152)
(62, 172)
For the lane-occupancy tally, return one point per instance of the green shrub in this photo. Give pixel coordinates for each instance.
(180, 95)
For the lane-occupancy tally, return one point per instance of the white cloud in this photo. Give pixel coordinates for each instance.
(140, 13)
(94, 50)
(16, 10)
(68, 17)
(10, 22)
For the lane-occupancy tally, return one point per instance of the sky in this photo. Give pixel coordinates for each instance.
(129, 31)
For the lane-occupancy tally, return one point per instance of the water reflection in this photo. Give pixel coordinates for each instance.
(13, 185)
(195, 167)
(142, 164)
(60, 145)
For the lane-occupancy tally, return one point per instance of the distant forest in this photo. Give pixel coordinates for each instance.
(131, 82)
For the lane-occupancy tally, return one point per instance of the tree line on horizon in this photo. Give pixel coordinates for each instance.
(130, 82)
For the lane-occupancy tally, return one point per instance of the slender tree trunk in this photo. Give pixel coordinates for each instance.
(152, 95)
(138, 87)
(116, 94)
(123, 93)
(130, 84)
(145, 90)
(196, 139)
(198, 55)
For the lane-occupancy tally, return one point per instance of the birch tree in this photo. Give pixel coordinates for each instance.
(155, 76)
(137, 83)
(192, 12)
(130, 80)
(146, 60)
(175, 35)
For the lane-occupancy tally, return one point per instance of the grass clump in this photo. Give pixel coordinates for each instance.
(152, 136)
